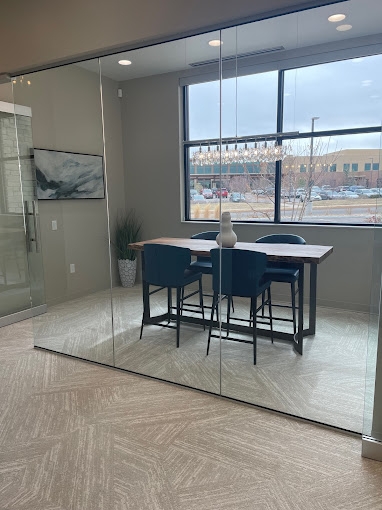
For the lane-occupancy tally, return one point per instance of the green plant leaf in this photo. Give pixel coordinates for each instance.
(127, 229)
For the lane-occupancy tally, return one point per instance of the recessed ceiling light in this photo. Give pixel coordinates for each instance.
(124, 62)
(336, 17)
(344, 28)
(215, 42)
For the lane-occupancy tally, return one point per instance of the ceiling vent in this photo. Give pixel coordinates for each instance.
(238, 56)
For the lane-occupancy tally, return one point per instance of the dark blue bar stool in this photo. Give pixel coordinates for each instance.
(204, 264)
(168, 267)
(282, 272)
(240, 273)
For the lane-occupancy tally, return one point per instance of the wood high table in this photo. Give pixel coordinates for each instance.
(299, 254)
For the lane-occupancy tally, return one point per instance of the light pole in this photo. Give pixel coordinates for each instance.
(310, 182)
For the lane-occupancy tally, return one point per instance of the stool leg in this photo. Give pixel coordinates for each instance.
(214, 303)
(179, 293)
(169, 304)
(254, 331)
(270, 312)
(229, 303)
(293, 293)
(201, 302)
(262, 304)
(146, 304)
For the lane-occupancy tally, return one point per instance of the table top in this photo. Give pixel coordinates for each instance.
(298, 253)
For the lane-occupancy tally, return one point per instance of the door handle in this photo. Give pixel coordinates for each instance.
(31, 236)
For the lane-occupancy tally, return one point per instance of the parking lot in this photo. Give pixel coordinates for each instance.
(261, 207)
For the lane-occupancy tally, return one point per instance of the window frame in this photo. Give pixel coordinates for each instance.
(278, 171)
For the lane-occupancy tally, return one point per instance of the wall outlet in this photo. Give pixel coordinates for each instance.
(54, 224)
(72, 268)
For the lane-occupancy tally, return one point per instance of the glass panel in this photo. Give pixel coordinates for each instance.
(315, 369)
(323, 179)
(320, 89)
(67, 144)
(31, 210)
(372, 423)
(157, 187)
(14, 276)
(252, 115)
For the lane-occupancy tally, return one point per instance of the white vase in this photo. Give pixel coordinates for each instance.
(227, 237)
(127, 271)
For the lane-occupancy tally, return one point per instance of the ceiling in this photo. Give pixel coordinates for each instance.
(293, 31)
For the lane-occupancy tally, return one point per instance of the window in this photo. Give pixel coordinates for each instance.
(330, 130)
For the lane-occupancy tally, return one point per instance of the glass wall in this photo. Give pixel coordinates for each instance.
(157, 145)
(65, 158)
(22, 285)
(144, 316)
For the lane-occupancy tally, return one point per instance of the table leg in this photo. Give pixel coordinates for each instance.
(299, 337)
(312, 299)
(145, 291)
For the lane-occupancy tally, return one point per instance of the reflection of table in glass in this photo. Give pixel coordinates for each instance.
(300, 254)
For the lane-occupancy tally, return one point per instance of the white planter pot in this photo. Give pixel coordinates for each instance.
(127, 272)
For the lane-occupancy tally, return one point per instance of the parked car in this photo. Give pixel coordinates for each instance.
(355, 189)
(207, 193)
(258, 191)
(223, 192)
(331, 194)
(325, 195)
(299, 192)
(313, 197)
(290, 193)
(237, 197)
(198, 198)
(377, 190)
(347, 194)
(368, 193)
(193, 192)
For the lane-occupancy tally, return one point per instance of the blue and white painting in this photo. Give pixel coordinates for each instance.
(61, 175)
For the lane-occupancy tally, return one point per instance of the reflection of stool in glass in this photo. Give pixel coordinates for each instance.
(8, 252)
(242, 274)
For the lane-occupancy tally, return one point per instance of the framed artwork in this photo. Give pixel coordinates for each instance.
(67, 175)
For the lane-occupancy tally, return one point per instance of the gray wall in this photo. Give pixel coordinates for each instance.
(66, 115)
(154, 183)
(53, 31)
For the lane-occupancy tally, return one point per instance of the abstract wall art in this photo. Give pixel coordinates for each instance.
(67, 175)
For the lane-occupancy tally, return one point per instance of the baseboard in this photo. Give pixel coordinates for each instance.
(23, 315)
(371, 448)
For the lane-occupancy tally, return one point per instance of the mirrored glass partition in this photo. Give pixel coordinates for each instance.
(152, 149)
(133, 155)
(65, 161)
(315, 365)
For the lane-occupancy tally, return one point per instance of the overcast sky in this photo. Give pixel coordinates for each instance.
(343, 94)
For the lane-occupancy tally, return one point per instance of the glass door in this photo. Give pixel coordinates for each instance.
(21, 282)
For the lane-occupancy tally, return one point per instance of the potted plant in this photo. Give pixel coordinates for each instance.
(127, 230)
